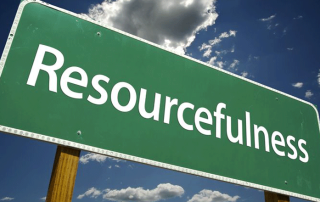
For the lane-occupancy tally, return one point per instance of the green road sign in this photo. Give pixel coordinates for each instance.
(68, 80)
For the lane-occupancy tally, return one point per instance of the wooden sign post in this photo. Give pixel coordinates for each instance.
(273, 197)
(63, 174)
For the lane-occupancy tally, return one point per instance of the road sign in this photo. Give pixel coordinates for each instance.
(68, 80)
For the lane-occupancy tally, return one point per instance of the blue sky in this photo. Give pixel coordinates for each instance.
(272, 42)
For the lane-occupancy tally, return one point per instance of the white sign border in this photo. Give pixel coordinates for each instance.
(67, 143)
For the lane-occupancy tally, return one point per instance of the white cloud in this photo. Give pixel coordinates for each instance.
(244, 74)
(6, 199)
(163, 191)
(232, 33)
(234, 64)
(220, 53)
(223, 35)
(289, 49)
(204, 46)
(308, 94)
(299, 17)
(284, 31)
(232, 49)
(43, 198)
(172, 24)
(297, 85)
(92, 157)
(269, 22)
(226, 34)
(92, 193)
(207, 53)
(117, 166)
(253, 57)
(212, 60)
(268, 18)
(220, 64)
(215, 41)
(96, 157)
(318, 77)
(212, 196)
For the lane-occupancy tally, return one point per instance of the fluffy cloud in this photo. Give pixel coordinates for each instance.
(212, 60)
(268, 18)
(297, 85)
(289, 49)
(6, 199)
(208, 47)
(204, 46)
(207, 53)
(92, 157)
(162, 191)
(308, 94)
(221, 53)
(284, 31)
(244, 74)
(318, 77)
(43, 198)
(212, 196)
(232, 49)
(250, 58)
(96, 157)
(232, 32)
(270, 24)
(172, 24)
(234, 64)
(92, 193)
(214, 41)
(226, 34)
(220, 64)
(299, 17)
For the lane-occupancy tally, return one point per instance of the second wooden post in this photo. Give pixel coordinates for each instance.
(273, 197)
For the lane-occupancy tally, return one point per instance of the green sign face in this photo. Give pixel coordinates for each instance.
(70, 81)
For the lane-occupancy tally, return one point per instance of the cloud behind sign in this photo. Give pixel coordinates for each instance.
(212, 196)
(161, 192)
(171, 24)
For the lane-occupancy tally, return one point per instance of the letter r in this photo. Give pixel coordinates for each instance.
(38, 65)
